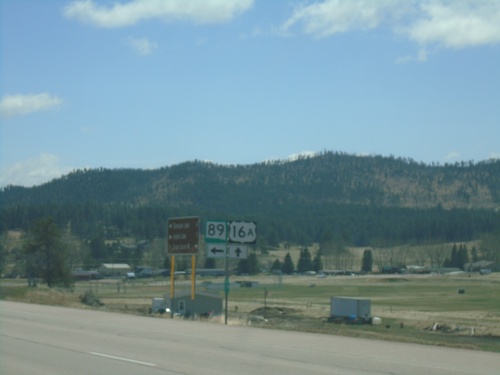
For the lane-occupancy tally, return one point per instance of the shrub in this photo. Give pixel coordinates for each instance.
(89, 298)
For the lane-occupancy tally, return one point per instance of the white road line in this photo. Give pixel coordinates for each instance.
(123, 359)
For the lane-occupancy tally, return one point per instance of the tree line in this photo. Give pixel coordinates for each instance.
(49, 255)
(354, 224)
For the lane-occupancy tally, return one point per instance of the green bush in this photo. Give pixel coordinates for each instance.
(89, 298)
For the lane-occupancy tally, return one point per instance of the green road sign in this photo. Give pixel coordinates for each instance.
(216, 231)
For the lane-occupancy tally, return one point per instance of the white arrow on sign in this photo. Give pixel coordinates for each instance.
(238, 251)
(216, 250)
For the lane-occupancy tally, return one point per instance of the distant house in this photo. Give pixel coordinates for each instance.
(85, 274)
(114, 269)
(482, 265)
(417, 269)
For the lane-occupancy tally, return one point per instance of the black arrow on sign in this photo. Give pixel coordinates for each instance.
(216, 250)
(238, 252)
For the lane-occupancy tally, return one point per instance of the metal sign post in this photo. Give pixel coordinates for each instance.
(172, 277)
(217, 237)
(227, 284)
(229, 240)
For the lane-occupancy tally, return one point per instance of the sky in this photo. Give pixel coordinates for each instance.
(153, 83)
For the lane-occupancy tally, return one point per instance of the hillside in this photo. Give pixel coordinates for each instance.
(358, 198)
(326, 178)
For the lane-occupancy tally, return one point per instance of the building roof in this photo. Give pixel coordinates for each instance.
(479, 264)
(116, 266)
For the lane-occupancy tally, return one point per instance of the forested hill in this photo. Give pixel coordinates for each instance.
(307, 182)
(355, 200)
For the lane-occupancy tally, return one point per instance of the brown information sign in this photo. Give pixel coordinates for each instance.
(183, 233)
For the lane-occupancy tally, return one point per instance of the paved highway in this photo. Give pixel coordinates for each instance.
(38, 339)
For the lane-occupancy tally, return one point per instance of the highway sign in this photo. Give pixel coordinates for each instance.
(238, 251)
(183, 235)
(216, 250)
(242, 232)
(216, 231)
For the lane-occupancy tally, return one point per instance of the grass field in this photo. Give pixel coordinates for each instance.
(409, 305)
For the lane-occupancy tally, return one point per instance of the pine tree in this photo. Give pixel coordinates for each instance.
(276, 265)
(3, 255)
(462, 257)
(367, 262)
(243, 268)
(98, 249)
(454, 257)
(317, 263)
(249, 266)
(210, 263)
(475, 255)
(45, 254)
(288, 267)
(305, 261)
(253, 264)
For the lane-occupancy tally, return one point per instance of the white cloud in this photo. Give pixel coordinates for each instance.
(339, 16)
(301, 155)
(452, 155)
(34, 171)
(421, 56)
(143, 46)
(133, 12)
(450, 24)
(495, 155)
(457, 24)
(18, 105)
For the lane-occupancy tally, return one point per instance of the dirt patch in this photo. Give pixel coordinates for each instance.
(276, 312)
(477, 323)
(392, 280)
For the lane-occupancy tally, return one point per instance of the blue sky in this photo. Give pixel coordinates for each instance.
(152, 83)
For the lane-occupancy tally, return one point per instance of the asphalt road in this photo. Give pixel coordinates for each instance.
(51, 340)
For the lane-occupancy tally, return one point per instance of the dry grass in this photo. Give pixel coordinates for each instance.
(302, 303)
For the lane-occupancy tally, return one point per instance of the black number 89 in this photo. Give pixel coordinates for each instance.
(216, 229)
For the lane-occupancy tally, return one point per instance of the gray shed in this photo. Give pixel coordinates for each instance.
(203, 303)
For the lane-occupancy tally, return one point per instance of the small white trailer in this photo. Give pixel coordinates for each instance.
(350, 307)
